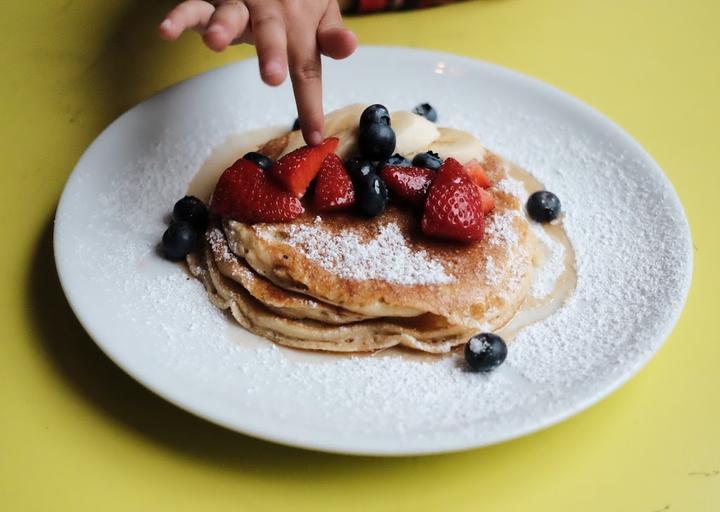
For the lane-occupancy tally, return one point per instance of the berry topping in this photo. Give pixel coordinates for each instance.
(259, 159)
(487, 201)
(191, 210)
(298, 168)
(245, 193)
(396, 160)
(296, 124)
(453, 208)
(477, 174)
(376, 141)
(333, 187)
(429, 160)
(409, 183)
(485, 352)
(427, 111)
(178, 240)
(371, 193)
(375, 114)
(543, 206)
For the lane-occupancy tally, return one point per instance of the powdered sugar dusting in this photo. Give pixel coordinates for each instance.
(189, 317)
(609, 326)
(478, 345)
(492, 273)
(501, 231)
(387, 256)
(552, 263)
(551, 253)
(513, 187)
(219, 246)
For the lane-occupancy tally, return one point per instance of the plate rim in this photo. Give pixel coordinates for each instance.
(341, 446)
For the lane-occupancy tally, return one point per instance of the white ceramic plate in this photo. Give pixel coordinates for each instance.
(631, 238)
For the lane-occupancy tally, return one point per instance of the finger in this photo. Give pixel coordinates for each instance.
(244, 38)
(188, 14)
(334, 39)
(337, 43)
(269, 33)
(306, 76)
(228, 21)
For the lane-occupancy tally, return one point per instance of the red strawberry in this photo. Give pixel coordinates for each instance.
(477, 174)
(333, 187)
(409, 183)
(245, 193)
(298, 168)
(453, 208)
(487, 201)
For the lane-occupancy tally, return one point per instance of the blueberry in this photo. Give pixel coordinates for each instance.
(372, 194)
(191, 210)
(377, 141)
(258, 159)
(375, 114)
(296, 124)
(357, 168)
(543, 206)
(427, 111)
(395, 159)
(179, 240)
(485, 352)
(429, 160)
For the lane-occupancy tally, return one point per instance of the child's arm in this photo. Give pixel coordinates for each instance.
(286, 33)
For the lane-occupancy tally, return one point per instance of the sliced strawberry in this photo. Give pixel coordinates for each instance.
(477, 173)
(245, 193)
(453, 209)
(487, 201)
(333, 187)
(409, 183)
(298, 168)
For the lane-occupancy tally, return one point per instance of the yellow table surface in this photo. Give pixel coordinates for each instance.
(77, 434)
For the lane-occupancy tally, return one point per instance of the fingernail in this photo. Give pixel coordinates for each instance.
(315, 138)
(273, 68)
(215, 29)
(166, 24)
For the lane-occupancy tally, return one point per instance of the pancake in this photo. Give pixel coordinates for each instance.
(283, 302)
(340, 282)
(427, 333)
(385, 267)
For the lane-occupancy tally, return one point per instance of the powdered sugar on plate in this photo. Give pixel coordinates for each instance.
(632, 254)
(387, 256)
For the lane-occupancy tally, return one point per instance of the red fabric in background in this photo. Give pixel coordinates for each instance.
(367, 6)
(364, 6)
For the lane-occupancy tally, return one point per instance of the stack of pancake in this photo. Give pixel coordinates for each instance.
(342, 282)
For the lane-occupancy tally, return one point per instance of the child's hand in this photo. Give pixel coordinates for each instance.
(285, 33)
